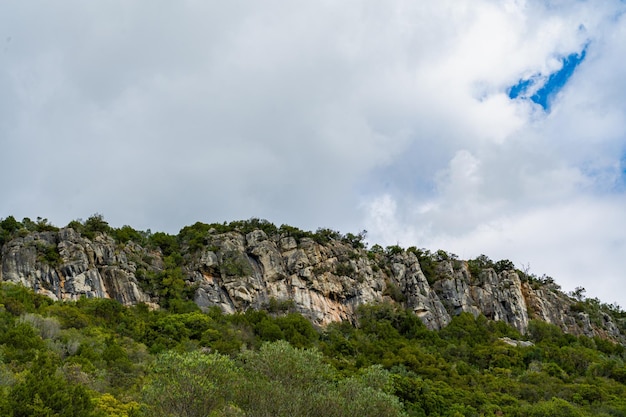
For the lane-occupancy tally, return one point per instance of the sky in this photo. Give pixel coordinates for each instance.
(477, 127)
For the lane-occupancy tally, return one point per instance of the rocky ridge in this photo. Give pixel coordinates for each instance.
(325, 281)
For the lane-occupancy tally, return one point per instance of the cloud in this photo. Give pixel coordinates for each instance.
(544, 189)
(393, 117)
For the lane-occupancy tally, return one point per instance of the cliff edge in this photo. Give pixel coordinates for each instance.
(324, 276)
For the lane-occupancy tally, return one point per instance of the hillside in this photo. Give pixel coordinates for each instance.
(103, 322)
(253, 264)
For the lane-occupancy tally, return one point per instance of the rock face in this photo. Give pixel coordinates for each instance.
(65, 266)
(497, 296)
(324, 281)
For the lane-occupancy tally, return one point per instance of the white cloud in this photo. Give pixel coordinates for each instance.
(388, 116)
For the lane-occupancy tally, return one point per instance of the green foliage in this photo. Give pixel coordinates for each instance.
(377, 249)
(10, 225)
(195, 236)
(109, 406)
(21, 343)
(168, 244)
(392, 290)
(43, 392)
(504, 265)
(49, 254)
(284, 381)
(297, 330)
(356, 241)
(323, 236)
(8, 229)
(427, 261)
(247, 226)
(442, 255)
(344, 269)
(93, 225)
(235, 264)
(556, 407)
(479, 263)
(191, 384)
(465, 328)
(290, 231)
(18, 299)
(540, 331)
(393, 250)
(280, 306)
(127, 234)
(136, 361)
(43, 225)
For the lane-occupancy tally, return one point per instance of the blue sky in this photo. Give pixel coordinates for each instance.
(413, 121)
(548, 85)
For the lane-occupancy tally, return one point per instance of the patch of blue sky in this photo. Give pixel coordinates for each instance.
(557, 80)
(520, 88)
(552, 85)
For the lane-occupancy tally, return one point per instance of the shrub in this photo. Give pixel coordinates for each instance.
(504, 265)
(344, 269)
(393, 291)
(235, 264)
(95, 224)
(126, 233)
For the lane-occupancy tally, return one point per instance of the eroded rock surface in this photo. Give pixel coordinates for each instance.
(325, 282)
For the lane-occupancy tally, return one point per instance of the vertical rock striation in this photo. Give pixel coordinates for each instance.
(325, 281)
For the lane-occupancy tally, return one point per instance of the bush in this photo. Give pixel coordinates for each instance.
(167, 243)
(504, 265)
(191, 384)
(344, 269)
(95, 224)
(235, 264)
(8, 229)
(43, 392)
(479, 263)
(393, 291)
(126, 234)
(324, 236)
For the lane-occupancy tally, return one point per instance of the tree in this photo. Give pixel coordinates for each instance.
(191, 384)
(356, 241)
(579, 293)
(44, 392)
(285, 381)
(95, 224)
(504, 265)
(8, 227)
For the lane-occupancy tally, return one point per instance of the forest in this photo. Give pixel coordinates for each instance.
(97, 357)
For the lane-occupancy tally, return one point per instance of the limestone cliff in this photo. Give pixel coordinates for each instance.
(324, 280)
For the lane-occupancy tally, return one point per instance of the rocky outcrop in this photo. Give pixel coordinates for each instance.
(324, 281)
(497, 296)
(65, 266)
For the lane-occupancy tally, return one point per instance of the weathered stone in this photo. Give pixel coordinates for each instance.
(92, 269)
(325, 282)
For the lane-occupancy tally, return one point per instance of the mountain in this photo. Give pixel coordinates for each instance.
(324, 275)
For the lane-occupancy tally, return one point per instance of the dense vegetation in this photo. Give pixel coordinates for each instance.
(98, 358)
(95, 357)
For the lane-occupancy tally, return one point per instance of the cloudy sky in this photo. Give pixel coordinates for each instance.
(482, 126)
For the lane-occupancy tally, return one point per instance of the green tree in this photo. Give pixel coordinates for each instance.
(126, 234)
(44, 392)
(95, 224)
(8, 227)
(504, 265)
(287, 381)
(191, 384)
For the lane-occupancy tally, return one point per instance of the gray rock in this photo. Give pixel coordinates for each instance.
(323, 282)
